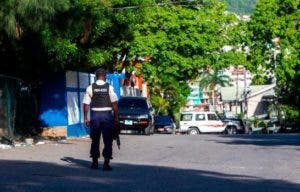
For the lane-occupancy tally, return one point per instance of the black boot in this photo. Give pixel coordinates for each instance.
(94, 164)
(106, 166)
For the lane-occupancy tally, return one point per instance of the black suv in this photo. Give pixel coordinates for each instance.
(164, 124)
(234, 125)
(136, 114)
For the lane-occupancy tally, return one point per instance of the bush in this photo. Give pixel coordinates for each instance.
(292, 115)
(262, 124)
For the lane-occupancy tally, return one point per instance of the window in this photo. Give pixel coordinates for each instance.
(186, 117)
(200, 117)
(212, 117)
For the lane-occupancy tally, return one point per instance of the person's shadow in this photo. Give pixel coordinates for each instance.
(73, 174)
(78, 162)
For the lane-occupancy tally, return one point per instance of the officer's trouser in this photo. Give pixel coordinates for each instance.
(101, 122)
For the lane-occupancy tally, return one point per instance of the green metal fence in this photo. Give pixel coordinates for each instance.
(18, 108)
(7, 106)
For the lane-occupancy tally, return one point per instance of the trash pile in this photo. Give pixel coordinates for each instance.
(4, 146)
(7, 143)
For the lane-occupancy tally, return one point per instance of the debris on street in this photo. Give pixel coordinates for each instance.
(4, 146)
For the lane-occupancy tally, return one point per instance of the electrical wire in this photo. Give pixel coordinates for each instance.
(155, 5)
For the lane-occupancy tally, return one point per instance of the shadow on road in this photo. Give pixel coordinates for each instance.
(261, 140)
(75, 175)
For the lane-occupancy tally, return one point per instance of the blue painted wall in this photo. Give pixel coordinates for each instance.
(54, 102)
(53, 107)
(114, 79)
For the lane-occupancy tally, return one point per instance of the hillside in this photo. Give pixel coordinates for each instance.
(241, 6)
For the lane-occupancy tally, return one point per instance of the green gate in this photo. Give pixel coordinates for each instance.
(18, 108)
(7, 107)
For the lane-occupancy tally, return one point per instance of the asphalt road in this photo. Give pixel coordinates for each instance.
(159, 163)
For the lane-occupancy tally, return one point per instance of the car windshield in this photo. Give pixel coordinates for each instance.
(132, 103)
(163, 119)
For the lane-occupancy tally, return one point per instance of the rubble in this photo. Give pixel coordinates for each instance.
(4, 146)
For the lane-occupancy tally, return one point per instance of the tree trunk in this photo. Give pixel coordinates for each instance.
(213, 99)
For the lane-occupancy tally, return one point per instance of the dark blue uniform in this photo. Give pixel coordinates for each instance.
(102, 122)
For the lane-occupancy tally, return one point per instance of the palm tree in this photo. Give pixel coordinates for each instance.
(161, 99)
(160, 104)
(211, 79)
(162, 95)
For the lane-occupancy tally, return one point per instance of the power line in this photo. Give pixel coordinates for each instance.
(155, 5)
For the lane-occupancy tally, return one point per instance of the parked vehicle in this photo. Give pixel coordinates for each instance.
(136, 114)
(272, 126)
(164, 124)
(194, 123)
(234, 125)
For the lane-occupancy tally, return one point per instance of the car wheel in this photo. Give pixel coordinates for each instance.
(231, 130)
(193, 131)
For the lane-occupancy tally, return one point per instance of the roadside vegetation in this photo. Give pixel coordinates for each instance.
(183, 39)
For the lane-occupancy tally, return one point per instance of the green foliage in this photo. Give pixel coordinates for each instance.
(292, 114)
(261, 124)
(212, 79)
(257, 122)
(63, 49)
(259, 80)
(278, 20)
(181, 40)
(97, 57)
(18, 16)
(98, 31)
(160, 104)
(241, 116)
(180, 37)
(82, 35)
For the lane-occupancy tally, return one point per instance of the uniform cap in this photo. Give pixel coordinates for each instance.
(101, 70)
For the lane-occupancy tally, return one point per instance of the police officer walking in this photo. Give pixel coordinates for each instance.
(101, 98)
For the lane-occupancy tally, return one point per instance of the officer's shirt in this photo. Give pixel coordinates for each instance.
(89, 93)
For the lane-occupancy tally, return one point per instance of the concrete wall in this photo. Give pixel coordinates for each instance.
(256, 106)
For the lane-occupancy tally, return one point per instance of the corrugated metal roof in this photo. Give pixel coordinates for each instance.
(231, 93)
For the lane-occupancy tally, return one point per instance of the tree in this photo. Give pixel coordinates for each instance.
(166, 96)
(211, 80)
(64, 34)
(160, 104)
(276, 46)
(17, 17)
(182, 40)
(21, 50)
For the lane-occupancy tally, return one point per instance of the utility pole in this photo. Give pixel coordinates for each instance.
(237, 91)
(245, 93)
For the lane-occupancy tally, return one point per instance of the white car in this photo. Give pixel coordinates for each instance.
(194, 123)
